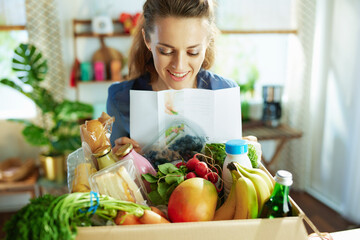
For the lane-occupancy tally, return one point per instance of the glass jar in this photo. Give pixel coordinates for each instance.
(104, 157)
(142, 164)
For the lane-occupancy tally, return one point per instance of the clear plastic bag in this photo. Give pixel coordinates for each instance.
(79, 169)
(178, 141)
(121, 181)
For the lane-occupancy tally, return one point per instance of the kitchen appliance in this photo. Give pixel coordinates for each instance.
(272, 105)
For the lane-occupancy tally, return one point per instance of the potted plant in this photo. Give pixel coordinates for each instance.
(247, 91)
(58, 131)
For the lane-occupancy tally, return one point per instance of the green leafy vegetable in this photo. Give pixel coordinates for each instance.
(216, 151)
(253, 156)
(50, 217)
(163, 184)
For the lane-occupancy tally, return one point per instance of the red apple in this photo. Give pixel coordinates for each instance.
(192, 201)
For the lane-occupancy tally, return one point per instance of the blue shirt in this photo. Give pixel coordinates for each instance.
(118, 102)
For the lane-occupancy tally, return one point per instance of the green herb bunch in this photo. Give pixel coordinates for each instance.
(216, 151)
(163, 184)
(52, 218)
(61, 134)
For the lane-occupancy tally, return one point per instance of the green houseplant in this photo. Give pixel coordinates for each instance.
(58, 131)
(247, 91)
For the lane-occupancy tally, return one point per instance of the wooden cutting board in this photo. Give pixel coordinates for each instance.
(106, 54)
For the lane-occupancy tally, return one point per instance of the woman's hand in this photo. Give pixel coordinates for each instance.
(124, 140)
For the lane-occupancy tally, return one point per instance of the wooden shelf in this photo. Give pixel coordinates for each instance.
(95, 82)
(88, 21)
(90, 34)
(270, 31)
(281, 134)
(12, 27)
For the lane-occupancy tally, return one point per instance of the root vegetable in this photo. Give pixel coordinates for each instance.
(212, 177)
(201, 169)
(151, 217)
(192, 163)
(190, 175)
(158, 211)
(124, 218)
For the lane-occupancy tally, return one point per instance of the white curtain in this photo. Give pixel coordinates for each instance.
(323, 90)
(335, 108)
(294, 156)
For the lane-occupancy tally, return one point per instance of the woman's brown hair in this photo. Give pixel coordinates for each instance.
(140, 58)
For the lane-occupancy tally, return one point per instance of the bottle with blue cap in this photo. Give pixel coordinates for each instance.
(237, 151)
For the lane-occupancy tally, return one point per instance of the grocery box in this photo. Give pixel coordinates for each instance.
(288, 228)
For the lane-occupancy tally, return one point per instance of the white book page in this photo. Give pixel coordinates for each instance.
(215, 113)
(143, 116)
(228, 115)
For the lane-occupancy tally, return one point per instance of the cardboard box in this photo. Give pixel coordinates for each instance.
(288, 228)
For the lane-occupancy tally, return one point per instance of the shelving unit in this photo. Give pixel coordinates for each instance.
(82, 30)
(12, 27)
(117, 33)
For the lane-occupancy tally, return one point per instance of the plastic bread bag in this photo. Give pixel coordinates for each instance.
(180, 140)
(79, 169)
(121, 181)
(96, 133)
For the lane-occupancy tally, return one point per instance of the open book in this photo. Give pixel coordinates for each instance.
(214, 113)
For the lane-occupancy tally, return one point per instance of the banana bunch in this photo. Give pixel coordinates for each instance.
(251, 188)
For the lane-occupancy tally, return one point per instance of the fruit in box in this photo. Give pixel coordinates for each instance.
(193, 200)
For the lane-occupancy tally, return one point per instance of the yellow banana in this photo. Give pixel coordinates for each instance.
(262, 174)
(246, 198)
(227, 210)
(262, 189)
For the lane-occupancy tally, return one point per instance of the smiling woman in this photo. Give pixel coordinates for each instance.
(173, 48)
(177, 60)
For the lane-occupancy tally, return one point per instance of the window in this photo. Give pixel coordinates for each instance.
(12, 32)
(256, 41)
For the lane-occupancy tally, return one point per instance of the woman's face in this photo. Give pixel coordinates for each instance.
(178, 46)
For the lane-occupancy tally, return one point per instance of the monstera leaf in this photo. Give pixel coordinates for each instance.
(59, 128)
(29, 65)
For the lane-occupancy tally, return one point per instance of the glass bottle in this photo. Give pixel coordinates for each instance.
(237, 151)
(127, 151)
(104, 157)
(279, 204)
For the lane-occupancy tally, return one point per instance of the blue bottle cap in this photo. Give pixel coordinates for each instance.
(236, 146)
